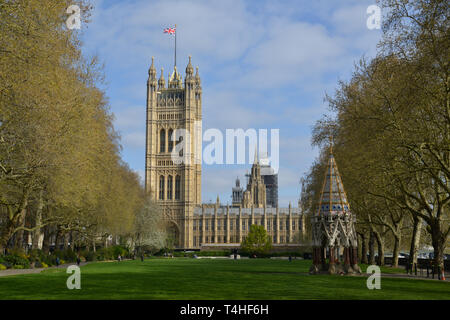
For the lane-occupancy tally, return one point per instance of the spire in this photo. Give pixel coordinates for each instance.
(152, 70)
(333, 197)
(256, 156)
(189, 69)
(197, 76)
(162, 81)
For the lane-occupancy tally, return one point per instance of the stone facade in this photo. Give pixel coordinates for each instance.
(227, 225)
(176, 187)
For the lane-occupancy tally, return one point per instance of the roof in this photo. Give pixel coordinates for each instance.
(333, 197)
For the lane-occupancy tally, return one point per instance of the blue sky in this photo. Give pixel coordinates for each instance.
(264, 65)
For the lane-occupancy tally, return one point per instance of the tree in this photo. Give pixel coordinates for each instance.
(149, 229)
(257, 241)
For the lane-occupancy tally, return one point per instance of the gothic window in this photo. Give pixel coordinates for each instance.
(231, 225)
(161, 188)
(274, 225)
(195, 224)
(293, 224)
(281, 225)
(169, 187)
(162, 141)
(219, 225)
(287, 225)
(177, 187)
(274, 239)
(207, 226)
(170, 140)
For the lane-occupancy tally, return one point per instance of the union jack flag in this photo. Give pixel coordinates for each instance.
(170, 30)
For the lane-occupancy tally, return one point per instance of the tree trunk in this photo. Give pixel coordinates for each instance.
(66, 240)
(380, 248)
(372, 248)
(18, 243)
(363, 249)
(438, 239)
(46, 241)
(396, 251)
(57, 238)
(415, 240)
(37, 234)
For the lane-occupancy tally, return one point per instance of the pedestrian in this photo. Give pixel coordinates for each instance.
(142, 257)
(78, 260)
(290, 258)
(119, 258)
(57, 261)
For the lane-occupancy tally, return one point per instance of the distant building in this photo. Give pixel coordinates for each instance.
(270, 179)
(237, 194)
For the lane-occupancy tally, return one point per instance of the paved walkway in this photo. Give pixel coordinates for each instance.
(13, 272)
(412, 276)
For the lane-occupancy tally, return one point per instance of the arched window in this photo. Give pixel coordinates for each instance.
(177, 188)
(161, 188)
(162, 141)
(170, 140)
(179, 141)
(169, 187)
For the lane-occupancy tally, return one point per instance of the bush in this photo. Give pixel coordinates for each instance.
(17, 260)
(2, 267)
(89, 255)
(18, 266)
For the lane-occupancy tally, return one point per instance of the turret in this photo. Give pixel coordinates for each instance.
(198, 83)
(189, 69)
(161, 81)
(152, 71)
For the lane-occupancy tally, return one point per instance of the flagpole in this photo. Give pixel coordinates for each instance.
(175, 46)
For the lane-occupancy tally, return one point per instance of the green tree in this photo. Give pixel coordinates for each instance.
(257, 241)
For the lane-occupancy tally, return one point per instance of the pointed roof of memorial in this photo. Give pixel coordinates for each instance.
(333, 197)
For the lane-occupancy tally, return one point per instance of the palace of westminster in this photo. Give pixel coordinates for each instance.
(177, 187)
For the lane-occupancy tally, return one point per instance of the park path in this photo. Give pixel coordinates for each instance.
(13, 272)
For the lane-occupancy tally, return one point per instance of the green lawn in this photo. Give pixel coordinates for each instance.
(190, 279)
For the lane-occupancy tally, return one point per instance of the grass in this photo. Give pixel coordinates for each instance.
(192, 279)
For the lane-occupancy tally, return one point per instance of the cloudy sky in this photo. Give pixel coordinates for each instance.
(264, 64)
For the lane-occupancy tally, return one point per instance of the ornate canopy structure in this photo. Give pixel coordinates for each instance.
(333, 227)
